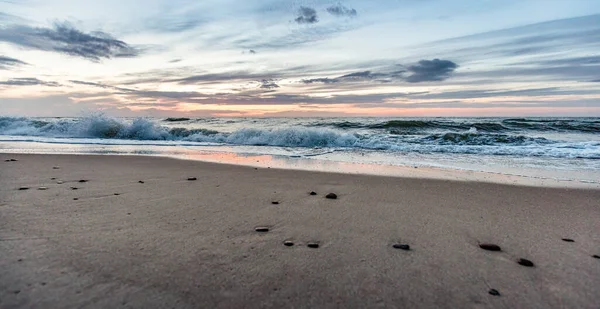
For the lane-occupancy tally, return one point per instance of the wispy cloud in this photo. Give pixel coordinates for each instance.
(29, 81)
(307, 15)
(8, 62)
(66, 39)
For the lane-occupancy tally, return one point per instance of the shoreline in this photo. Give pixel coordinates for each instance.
(135, 232)
(351, 168)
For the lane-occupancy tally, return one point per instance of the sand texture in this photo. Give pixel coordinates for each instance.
(134, 232)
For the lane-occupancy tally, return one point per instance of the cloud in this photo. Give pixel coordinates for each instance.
(64, 38)
(28, 82)
(307, 16)
(430, 70)
(7, 62)
(252, 51)
(175, 60)
(268, 84)
(341, 11)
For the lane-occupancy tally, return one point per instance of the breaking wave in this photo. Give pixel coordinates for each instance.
(493, 137)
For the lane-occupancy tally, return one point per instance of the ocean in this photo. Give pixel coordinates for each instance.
(557, 148)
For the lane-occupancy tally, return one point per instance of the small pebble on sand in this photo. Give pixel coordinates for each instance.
(596, 256)
(23, 188)
(494, 292)
(60, 182)
(490, 247)
(313, 193)
(74, 188)
(275, 203)
(75, 199)
(313, 245)
(568, 240)
(261, 229)
(55, 167)
(288, 243)
(525, 262)
(401, 246)
(192, 178)
(331, 196)
(117, 194)
(42, 188)
(141, 181)
(53, 178)
(83, 180)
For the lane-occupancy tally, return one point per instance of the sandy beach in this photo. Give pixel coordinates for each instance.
(133, 232)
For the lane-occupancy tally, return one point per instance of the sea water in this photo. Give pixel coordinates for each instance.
(561, 148)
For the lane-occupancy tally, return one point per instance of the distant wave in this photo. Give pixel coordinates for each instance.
(492, 125)
(469, 137)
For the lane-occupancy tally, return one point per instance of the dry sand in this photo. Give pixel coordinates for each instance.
(174, 243)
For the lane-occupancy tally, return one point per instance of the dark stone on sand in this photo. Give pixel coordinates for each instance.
(75, 199)
(490, 247)
(525, 262)
(596, 256)
(288, 243)
(494, 292)
(117, 193)
(401, 246)
(74, 188)
(313, 193)
(83, 180)
(55, 167)
(128, 213)
(261, 229)
(275, 203)
(23, 188)
(13, 160)
(192, 178)
(568, 240)
(313, 245)
(141, 181)
(17, 291)
(53, 178)
(331, 196)
(20, 260)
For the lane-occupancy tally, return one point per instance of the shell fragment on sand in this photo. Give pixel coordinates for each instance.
(313, 245)
(490, 247)
(525, 262)
(401, 246)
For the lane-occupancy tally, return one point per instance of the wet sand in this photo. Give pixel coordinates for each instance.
(136, 233)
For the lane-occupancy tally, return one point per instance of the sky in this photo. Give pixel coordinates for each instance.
(296, 58)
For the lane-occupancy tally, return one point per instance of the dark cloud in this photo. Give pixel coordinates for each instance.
(64, 38)
(430, 70)
(341, 11)
(320, 80)
(8, 62)
(28, 82)
(307, 15)
(268, 84)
